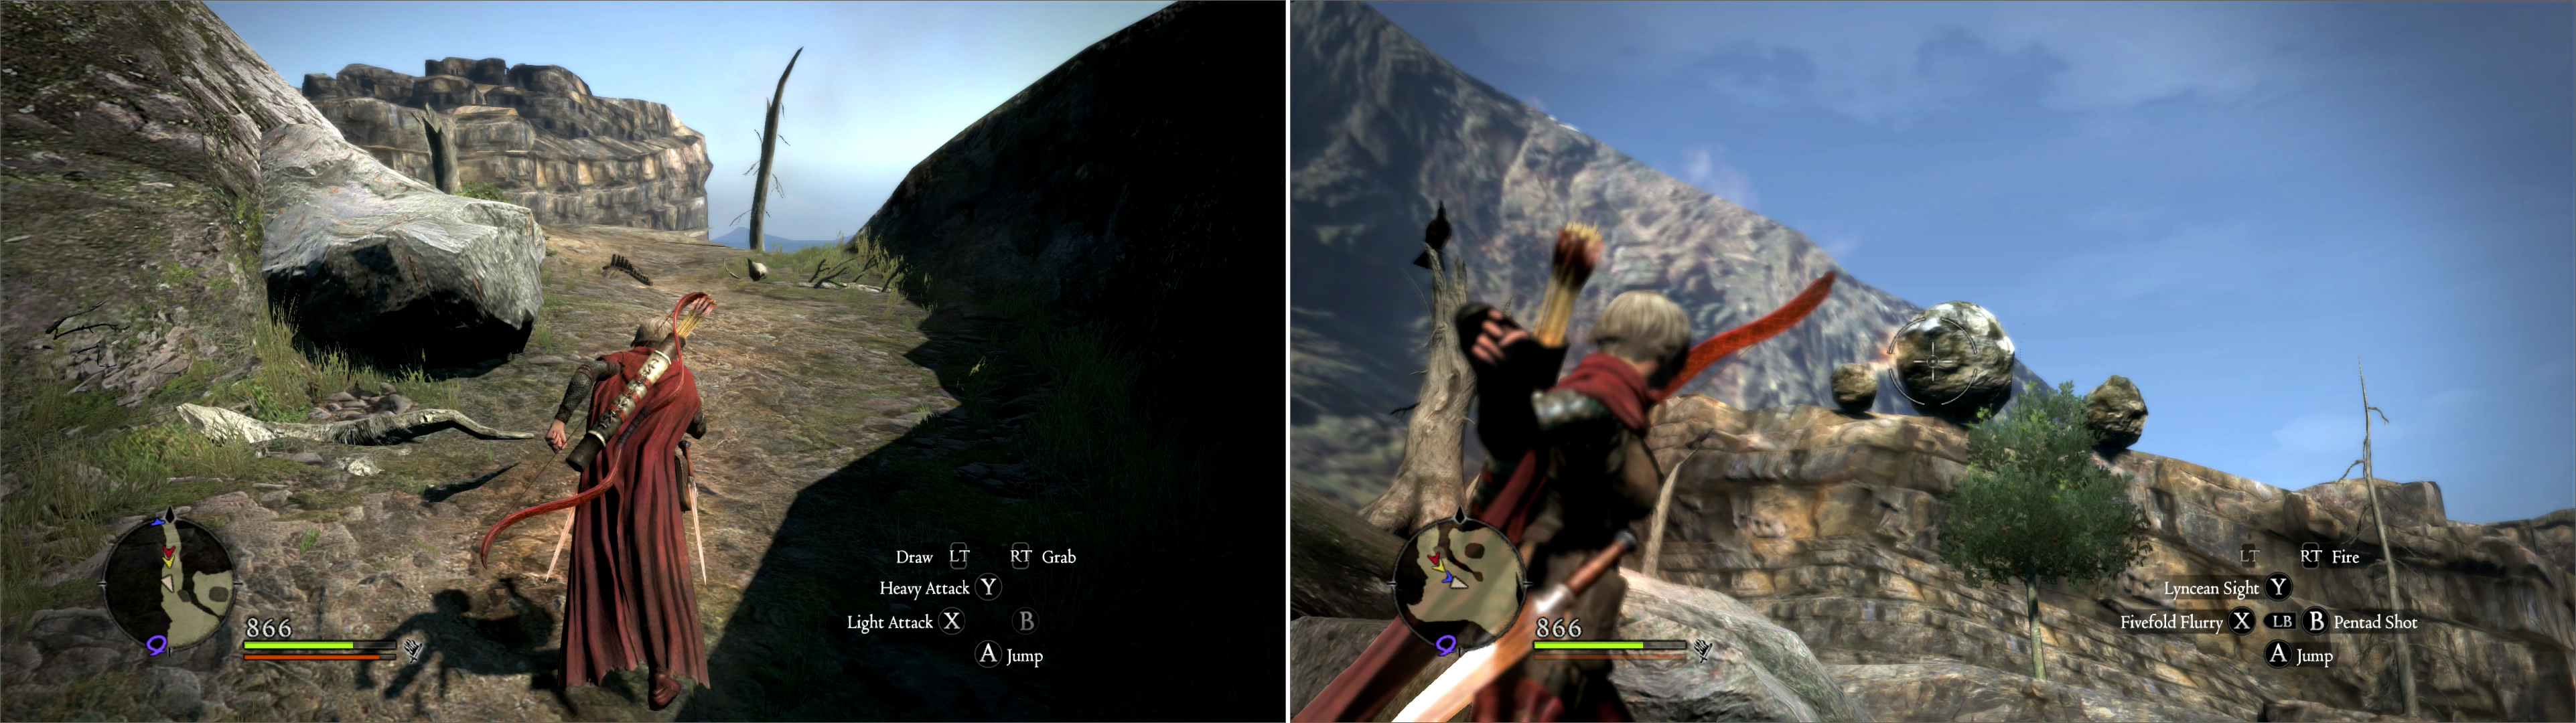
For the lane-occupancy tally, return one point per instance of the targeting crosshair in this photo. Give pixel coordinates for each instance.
(1933, 364)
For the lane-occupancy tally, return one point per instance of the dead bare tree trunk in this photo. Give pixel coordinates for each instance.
(2370, 486)
(768, 145)
(1427, 484)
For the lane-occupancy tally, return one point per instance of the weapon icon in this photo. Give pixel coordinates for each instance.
(1702, 647)
(411, 648)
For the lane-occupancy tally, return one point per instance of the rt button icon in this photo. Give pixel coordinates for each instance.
(2311, 554)
(1020, 554)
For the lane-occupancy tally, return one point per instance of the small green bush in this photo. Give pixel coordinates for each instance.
(483, 190)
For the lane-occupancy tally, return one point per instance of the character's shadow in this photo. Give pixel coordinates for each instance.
(455, 637)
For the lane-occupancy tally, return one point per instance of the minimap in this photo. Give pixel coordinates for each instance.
(1458, 584)
(169, 583)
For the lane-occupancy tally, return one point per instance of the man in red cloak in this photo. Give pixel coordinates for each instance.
(628, 598)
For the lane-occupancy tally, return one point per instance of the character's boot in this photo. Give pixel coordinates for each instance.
(665, 689)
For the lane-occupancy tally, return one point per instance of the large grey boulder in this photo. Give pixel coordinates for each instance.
(1954, 360)
(2116, 412)
(379, 263)
(1756, 670)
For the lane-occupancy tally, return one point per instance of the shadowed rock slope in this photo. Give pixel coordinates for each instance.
(1381, 130)
(1118, 189)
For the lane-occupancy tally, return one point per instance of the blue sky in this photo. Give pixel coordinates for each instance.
(2227, 203)
(880, 85)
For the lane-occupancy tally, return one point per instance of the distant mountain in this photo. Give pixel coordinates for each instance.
(740, 238)
(1381, 129)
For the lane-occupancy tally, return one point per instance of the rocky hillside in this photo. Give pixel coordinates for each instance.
(131, 193)
(534, 131)
(1828, 523)
(1113, 189)
(1382, 130)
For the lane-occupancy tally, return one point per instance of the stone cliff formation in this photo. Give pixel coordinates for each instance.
(1117, 190)
(132, 192)
(534, 131)
(1828, 525)
(1382, 131)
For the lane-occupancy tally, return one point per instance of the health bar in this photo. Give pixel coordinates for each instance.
(1609, 645)
(1613, 655)
(321, 644)
(371, 656)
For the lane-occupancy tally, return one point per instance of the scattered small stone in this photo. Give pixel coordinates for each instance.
(268, 486)
(273, 499)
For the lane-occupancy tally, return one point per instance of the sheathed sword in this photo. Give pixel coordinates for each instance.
(696, 533)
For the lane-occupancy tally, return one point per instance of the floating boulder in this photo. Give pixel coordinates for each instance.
(2115, 412)
(384, 265)
(1855, 388)
(1953, 361)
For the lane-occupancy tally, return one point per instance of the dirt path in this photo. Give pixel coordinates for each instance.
(799, 384)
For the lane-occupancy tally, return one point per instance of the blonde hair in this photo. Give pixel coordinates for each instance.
(653, 331)
(1642, 326)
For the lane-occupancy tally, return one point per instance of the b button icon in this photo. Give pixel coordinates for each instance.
(2315, 620)
(1025, 620)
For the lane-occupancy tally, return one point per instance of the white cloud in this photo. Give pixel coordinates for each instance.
(1705, 166)
(1889, 63)
(2323, 432)
(2455, 398)
(1840, 246)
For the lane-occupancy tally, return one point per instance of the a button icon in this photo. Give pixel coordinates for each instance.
(2277, 654)
(2277, 586)
(988, 586)
(957, 554)
(988, 654)
(1026, 620)
(2311, 555)
(2315, 620)
(2240, 621)
(1020, 555)
(948, 621)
